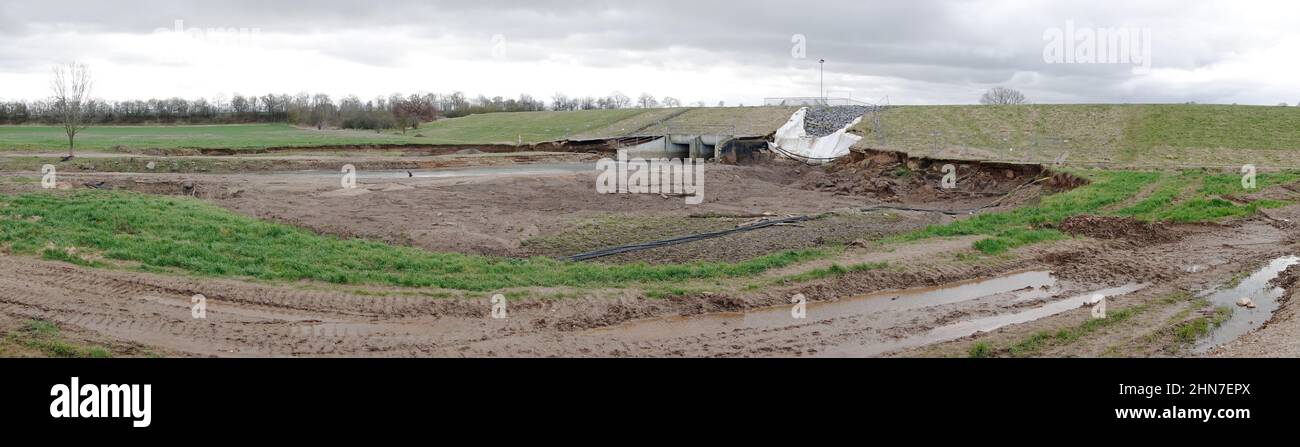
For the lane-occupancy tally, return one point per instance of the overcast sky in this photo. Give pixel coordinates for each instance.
(913, 52)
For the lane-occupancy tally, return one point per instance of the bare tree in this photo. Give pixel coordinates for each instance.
(1002, 95)
(647, 101)
(618, 100)
(669, 101)
(71, 86)
(322, 108)
(560, 102)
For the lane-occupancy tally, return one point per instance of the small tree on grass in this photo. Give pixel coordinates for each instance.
(404, 116)
(71, 87)
(1002, 96)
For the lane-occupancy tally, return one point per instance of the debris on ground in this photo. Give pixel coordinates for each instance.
(894, 177)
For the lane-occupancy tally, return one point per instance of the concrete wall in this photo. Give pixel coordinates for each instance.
(679, 146)
(658, 148)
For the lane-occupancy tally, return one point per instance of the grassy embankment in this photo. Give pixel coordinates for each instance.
(1125, 134)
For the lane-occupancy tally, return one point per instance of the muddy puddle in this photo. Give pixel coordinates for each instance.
(1243, 320)
(480, 171)
(1012, 298)
(971, 327)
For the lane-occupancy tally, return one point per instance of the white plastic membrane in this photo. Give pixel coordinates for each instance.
(792, 140)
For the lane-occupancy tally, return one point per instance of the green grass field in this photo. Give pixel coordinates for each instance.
(492, 128)
(1129, 134)
(489, 128)
(236, 136)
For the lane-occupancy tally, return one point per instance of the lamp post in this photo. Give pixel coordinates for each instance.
(822, 83)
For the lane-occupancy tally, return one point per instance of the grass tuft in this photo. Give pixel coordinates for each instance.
(46, 338)
(980, 350)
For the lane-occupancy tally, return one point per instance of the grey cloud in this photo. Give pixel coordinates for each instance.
(967, 45)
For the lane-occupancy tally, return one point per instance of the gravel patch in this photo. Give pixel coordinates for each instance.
(823, 121)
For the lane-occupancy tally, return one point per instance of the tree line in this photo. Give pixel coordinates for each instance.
(395, 111)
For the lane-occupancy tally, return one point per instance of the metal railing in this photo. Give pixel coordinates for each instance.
(813, 101)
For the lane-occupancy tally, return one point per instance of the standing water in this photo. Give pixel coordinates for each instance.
(472, 171)
(868, 318)
(1243, 320)
(1021, 286)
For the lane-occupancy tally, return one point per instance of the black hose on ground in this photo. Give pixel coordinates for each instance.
(696, 237)
(684, 239)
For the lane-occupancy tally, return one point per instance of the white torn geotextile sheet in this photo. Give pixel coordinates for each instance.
(792, 140)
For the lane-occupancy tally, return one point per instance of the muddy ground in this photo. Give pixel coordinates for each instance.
(545, 204)
(529, 209)
(936, 297)
(900, 310)
(1176, 275)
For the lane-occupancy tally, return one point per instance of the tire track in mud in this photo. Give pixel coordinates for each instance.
(253, 319)
(680, 336)
(113, 283)
(242, 319)
(249, 319)
(1086, 266)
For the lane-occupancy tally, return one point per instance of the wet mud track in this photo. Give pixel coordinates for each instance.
(873, 313)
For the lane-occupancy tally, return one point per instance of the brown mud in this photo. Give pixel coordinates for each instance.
(1127, 228)
(894, 177)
